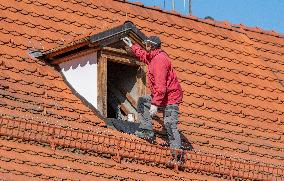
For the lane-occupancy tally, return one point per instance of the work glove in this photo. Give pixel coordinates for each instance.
(153, 110)
(127, 41)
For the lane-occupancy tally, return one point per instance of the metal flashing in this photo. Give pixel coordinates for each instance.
(113, 35)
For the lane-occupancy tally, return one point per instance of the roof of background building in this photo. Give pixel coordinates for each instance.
(232, 77)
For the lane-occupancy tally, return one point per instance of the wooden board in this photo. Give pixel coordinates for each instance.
(102, 84)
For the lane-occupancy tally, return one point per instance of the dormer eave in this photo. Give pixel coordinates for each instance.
(93, 43)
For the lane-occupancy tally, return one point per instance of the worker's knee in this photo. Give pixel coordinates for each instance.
(170, 124)
(142, 102)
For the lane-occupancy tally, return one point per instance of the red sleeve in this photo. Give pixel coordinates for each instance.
(140, 53)
(160, 74)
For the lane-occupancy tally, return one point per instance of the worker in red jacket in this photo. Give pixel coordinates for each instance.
(166, 92)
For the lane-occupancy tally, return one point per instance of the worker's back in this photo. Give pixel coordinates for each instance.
(161, 75)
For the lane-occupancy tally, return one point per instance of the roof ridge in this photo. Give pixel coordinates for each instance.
(221, 24)
(121, 147)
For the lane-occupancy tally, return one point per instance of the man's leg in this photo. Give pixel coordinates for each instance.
(143, 107)
(170, 120)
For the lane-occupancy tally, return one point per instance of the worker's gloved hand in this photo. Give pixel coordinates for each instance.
(127, 41)
(153, 110)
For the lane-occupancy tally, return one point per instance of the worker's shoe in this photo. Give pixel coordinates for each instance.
(145, 134)
(178, 157)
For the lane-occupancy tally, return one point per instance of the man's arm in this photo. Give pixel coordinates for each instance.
(140, 53)
(160, 87)
(137, 50)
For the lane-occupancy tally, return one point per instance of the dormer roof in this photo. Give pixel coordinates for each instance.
(96, 41)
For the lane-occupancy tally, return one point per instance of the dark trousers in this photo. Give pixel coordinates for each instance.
(170, 113)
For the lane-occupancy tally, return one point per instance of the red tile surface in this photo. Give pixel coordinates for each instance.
(232, 80)
(37, 162)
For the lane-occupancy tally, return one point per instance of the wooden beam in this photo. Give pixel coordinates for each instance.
(74, 56)
(125, 104)
(129, 97)
(135, 39)
(141, 81)
(69, 47)
(120, 56)
(102, 84)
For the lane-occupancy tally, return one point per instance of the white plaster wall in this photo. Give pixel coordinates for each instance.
(81, 73)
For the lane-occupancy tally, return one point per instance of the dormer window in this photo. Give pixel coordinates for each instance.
(102, 72)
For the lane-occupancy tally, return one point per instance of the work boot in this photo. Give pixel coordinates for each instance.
(176, 160)
(145, 134)
(179, 158)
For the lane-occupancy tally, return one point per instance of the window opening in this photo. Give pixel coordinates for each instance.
(122, 90)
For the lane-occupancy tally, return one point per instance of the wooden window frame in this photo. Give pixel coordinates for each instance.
(107, 54)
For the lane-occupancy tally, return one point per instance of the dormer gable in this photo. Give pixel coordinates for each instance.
(101, 72)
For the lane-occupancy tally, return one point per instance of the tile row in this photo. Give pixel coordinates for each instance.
(34, 82)
(231, 110)
(266, 42)
(241, 93)
(233, 150)
(242, 83)
(38, 26)
(31, 71)
(233, 103)
(41, 93)
(46, 17)
(274, 141)
(223, 58)
(240, 114)
(236, 123)
(7, 32)
(263, 39)
(50, 118)
(47, 103)
(216, 134)
(68, 10)
(233, 128)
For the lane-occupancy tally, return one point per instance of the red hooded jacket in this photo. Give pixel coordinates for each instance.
(162, 80)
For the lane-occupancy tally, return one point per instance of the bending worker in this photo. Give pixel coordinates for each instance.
(166, 92)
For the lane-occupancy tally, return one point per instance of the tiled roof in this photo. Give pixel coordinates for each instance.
(232, 77)
(25, 161)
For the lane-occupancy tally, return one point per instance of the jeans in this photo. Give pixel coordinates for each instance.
(170, 113)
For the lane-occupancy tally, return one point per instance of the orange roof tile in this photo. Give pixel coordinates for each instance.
(232, 77)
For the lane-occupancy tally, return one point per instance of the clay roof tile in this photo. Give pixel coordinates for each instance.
(231, 76)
